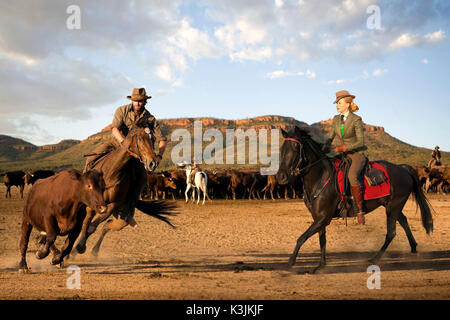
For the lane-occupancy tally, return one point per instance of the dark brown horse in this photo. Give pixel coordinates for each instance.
(322, 199)
(124, 170)
(57, 205)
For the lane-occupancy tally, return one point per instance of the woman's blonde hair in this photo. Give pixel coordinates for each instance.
(353, 107)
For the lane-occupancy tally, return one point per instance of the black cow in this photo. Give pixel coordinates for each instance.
(14, 178)
(30, 178)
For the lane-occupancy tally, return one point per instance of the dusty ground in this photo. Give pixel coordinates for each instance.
(236, 250)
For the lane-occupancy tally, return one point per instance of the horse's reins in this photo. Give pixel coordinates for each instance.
(300, 158)
(138, 155)
(316, 195)
(133, 154)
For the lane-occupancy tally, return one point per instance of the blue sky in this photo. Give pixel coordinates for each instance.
(226, 59)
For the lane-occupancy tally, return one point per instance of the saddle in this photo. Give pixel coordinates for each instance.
(375, 180)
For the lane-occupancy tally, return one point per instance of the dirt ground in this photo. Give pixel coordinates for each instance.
(236, 250)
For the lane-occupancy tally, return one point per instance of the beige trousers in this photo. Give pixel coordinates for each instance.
(354, 173)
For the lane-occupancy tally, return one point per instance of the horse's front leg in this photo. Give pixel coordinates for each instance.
(81, 246)
(316, 226)
(90, 227)
(323, 245)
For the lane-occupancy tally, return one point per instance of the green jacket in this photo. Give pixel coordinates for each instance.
(353, 133)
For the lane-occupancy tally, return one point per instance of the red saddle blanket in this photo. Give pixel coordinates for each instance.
(374, 192)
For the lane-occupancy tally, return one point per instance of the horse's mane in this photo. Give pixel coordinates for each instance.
(305, 133)
(107, 159)
(317, 147)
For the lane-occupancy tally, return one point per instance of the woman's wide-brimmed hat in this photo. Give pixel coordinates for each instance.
(138, 94)
(342, 94)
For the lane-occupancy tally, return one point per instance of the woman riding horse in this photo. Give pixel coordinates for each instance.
(348, 133)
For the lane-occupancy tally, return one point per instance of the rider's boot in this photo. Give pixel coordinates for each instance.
(357, 194)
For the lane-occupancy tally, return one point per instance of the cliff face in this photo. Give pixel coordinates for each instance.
(168, 125)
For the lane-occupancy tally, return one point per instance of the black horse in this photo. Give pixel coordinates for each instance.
(300, 152)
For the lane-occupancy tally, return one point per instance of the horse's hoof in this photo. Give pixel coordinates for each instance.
(316, 269)
(80, 248)
(291, 262)
(373, 260)
(41, 255)
(25, 270)
(56, 261)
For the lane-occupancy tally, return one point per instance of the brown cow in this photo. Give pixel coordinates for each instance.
(438, 177)
(252, 181)
(271, 185)
(159, 182)
(179, 178)
(31, 178)
(422, 173)
(14, 178)
(57, 206)
(218, 183)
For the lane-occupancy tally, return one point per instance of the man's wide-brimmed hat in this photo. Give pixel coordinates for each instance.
(138, 95)
(342, 94)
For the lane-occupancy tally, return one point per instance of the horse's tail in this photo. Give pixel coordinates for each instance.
(158, 209)
(421, 200)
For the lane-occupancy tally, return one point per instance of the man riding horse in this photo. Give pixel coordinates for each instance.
(435, 158)
(124, 162)
(347, 132)
(124, 118)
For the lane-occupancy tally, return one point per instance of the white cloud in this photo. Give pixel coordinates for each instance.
(240, 33)
(256, 54)
(277, 74)
(435, 36)
(379, 72)
(425, 61)
(310, 74)
(164, 71)
(317, 30)
(279, 3)
(339, 81)
(195, 43)
(405, 40)
(410, 40)
(282, 74)
(54, 88)
(305, 35)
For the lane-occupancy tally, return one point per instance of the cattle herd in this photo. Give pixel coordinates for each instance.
(222, 184)
(229, 183)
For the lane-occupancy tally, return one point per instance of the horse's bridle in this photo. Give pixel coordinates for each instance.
(301, 157)
(138, 155)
